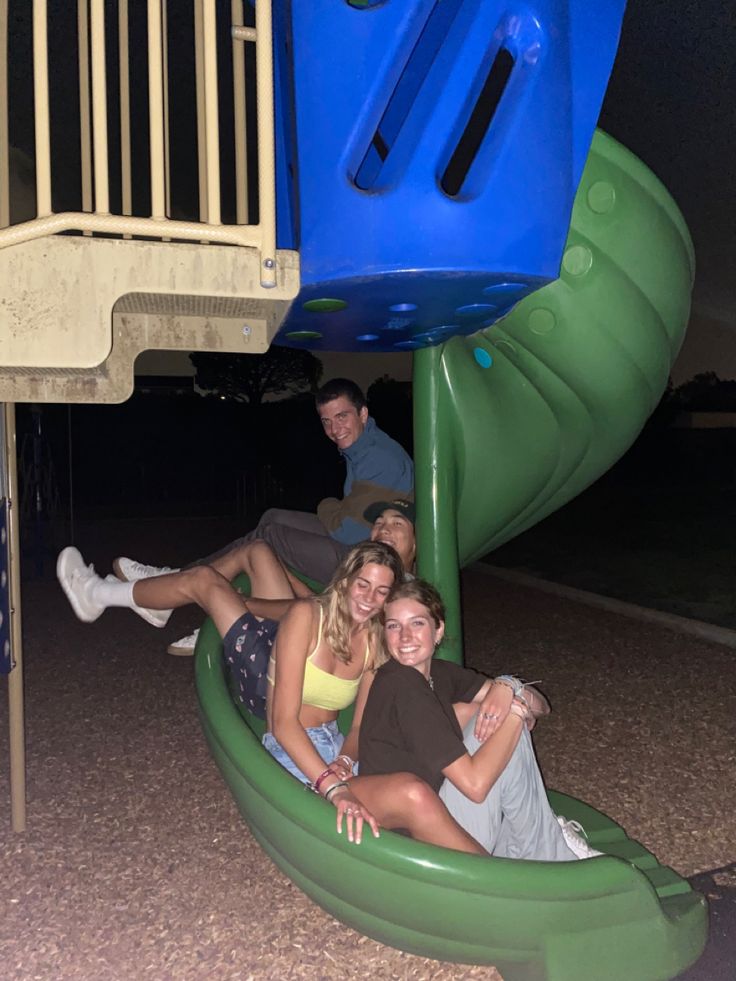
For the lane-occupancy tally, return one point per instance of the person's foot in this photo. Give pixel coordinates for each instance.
(575, 838)
(131, 571)
(78, 581)
(184, 647)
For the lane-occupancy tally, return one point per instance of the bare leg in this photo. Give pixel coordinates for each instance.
(202, 585)
(268, 577)
(402, 800)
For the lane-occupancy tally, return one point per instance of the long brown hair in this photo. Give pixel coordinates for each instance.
(334, 600)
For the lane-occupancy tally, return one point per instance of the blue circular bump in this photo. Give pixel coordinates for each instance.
(367, 337)
(408, 345)
(482, 357)
(502, 290)
(402, 307)
(476, 310)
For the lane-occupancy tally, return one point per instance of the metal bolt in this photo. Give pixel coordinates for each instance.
(246, 330)
(269, 263)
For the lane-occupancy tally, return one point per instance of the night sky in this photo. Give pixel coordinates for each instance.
(672, 101)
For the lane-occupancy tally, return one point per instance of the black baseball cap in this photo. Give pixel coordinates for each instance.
(404, 507)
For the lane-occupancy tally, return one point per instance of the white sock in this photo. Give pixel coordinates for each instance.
(115, 593)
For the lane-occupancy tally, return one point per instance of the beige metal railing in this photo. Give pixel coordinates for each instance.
(96, 91)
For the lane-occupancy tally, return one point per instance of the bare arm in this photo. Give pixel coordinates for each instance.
(291, 650)
(475, 775)
(351, 746)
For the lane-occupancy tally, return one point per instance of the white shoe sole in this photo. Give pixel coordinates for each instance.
(68, 560)
(178, 651)
(157, 618)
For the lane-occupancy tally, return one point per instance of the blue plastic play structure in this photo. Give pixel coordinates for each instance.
(430, 155)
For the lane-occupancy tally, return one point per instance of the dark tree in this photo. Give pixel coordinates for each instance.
(391, 406)
(250, 377)
(707, 392)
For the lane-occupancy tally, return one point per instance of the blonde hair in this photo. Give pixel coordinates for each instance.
(334, 600)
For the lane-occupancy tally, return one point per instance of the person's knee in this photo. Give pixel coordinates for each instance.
(259, 551)
(418, 797)
(249, 553)
(272, 516)
(198, 582)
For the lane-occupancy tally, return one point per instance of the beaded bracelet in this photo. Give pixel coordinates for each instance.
(333, 788)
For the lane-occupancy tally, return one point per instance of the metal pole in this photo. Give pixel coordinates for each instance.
(199, 76)
(211, 110)
(167, 122)
(239, 112)
(436, 496)
(4, 141)
(266, 143)
(85, 132)
(99, 107)
(71, 470)
(15, 678)
(124, 75)
(156, 110)
(41, 108)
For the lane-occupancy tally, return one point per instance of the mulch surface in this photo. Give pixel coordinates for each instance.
(136, 863)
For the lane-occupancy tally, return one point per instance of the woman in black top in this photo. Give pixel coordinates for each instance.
(465, 735)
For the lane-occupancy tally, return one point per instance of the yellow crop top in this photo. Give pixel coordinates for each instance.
(321, 689)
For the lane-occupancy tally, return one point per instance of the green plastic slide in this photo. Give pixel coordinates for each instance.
(515, 421)
(509, 425)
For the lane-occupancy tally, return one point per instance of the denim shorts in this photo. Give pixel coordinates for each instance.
(326, 739)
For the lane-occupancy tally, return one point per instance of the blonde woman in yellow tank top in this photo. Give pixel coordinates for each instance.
(327, 649)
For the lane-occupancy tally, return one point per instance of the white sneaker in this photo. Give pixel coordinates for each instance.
(157, 618)
(576, 839)
(131, 571)
(184, 647)
(78, 580)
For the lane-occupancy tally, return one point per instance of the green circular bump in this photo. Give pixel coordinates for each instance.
(577, 260)
(505, 347)
(541, 321)
(325, 305)
(304, 335)
(601, 197)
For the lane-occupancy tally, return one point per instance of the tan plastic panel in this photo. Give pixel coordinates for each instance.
(57, 294)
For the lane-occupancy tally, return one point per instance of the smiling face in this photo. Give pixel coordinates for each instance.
(367, 592)
(392, 528)
(412, 634)
(342, 422)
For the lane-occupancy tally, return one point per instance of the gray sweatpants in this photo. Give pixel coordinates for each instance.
(515, 820)
(298, 538)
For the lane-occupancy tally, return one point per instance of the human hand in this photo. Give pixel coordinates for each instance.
(493, 711)
(342, 767)
(349, 807)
